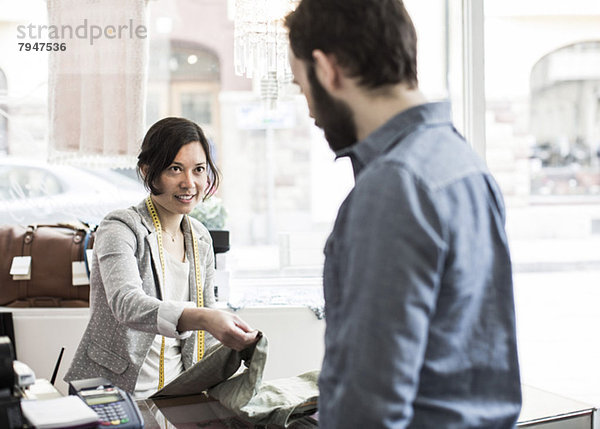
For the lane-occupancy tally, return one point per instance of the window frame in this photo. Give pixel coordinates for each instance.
(473, 81)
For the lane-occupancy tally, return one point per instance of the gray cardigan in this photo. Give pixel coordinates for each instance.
(125, 297)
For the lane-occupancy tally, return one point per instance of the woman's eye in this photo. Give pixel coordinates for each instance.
(200, 169)
(175, 168)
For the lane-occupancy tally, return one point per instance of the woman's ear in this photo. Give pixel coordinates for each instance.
(327, 70)
(144, 171)
(144, 174)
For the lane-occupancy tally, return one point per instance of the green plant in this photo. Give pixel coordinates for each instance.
(211, 213)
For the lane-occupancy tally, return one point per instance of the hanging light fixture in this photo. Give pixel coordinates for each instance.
(261, 45)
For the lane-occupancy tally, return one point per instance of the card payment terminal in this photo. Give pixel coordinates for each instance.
(114, 406)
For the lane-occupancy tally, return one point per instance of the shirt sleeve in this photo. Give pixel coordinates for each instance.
(168, 317)
(392, 254)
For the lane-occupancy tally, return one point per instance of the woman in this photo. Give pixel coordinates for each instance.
(152, 273)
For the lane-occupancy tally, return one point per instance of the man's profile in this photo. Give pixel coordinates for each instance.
(420, 322)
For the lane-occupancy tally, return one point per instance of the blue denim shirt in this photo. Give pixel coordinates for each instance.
(418, 286)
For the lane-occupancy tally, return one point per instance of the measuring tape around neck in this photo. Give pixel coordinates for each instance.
(199, 293)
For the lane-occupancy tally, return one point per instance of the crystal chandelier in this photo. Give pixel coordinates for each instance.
(261, 45)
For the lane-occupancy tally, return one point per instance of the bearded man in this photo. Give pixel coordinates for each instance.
(420, 321)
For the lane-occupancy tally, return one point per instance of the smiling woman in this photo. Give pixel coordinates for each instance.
(160, 156)
(182, 185)
(177, 183)
(152, 277)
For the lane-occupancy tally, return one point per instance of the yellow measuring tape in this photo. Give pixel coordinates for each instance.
(199, 289)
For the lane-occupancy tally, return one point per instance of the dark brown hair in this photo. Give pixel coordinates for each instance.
(161, 144)
(374, 40)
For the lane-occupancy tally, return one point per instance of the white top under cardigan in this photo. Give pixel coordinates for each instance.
(177, 289)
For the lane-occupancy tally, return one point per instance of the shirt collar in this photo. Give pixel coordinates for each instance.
(393, 131)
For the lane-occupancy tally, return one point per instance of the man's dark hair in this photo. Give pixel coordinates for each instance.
(161, 144)
(373, 40)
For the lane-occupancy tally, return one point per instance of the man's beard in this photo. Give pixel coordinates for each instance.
(333, 116)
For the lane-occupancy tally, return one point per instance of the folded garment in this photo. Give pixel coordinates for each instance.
(218, 364)
(280, 402)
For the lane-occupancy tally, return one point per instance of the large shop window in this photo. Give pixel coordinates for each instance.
(536, 121)
(281, 186)
(542, 80)
(539, 132)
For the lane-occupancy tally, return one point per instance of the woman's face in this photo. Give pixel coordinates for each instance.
(184, 182)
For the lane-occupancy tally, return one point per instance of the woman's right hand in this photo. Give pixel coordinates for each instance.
(226, 327)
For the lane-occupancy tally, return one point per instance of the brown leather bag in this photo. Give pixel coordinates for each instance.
(52, 248)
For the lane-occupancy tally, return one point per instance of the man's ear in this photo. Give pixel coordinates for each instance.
(327, 70)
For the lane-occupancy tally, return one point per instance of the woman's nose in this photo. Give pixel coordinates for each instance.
(188, 180)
